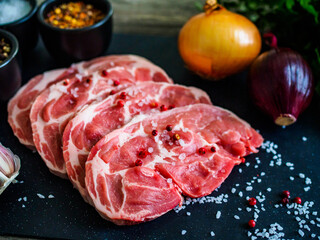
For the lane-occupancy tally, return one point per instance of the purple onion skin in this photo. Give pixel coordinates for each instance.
(281, 84)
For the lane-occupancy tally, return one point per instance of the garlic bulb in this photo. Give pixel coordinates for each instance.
(9, 167)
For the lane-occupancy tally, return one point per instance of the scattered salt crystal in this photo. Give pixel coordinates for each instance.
(50, 196)
(262, 174)
(19, 199)
(247, 164)
(240, 194)
(150, 150)
(40, 195)
(308, 181)
(240, 170)
(169, 180)
(212, 234)
(314, 213)
(188, 213)
(249, 188)
(259, 180)
(304, 139)
(236, 217)
(183, 232)
(269, 189)
(23, 206)
(291, 178)
(301, 175)
(306, 189)
(248, 209)
(233, 190)
(218, 215)
(239, 209)
(301, 233)
(25, 199)
(288, 212)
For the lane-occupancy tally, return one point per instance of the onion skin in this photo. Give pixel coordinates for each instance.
(219, 43)
(281, 84)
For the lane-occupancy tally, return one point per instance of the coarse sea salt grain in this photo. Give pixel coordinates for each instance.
(212, 234)
(40, 195)
(183, 232)
(188, 213)
(304, 139)
(50, 196)
(301, 175)
(218, 215)
(236, 217)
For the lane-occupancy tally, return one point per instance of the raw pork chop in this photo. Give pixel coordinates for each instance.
(133, 176)
(98, 119)
(55, 106)
(20, 105)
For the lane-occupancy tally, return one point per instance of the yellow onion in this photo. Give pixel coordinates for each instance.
(218, 43)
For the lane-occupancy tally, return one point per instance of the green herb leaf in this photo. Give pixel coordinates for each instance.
(290, 4)
(306, 4)
(199, 6)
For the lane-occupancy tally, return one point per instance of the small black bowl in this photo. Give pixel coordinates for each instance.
(25, 29)
(10, 75)
(70, 45)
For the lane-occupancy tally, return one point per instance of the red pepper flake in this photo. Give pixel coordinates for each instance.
(213, 149)
(286, 194)
(154, 132)
(163, 108)
(116, 82)
(252, 223)
(120, 103)
(202, 151)
(66, 82)
(285, 201)
(252, 201)
(154, 105)
(171, 106)
(142, 154)
(104, 73)
(112, 92)
(138, 162)
(243, 160)
(176, 136)
(297, 200)
(123, 95)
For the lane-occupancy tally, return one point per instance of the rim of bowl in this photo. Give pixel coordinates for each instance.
(33, 10)
(45, 4)
(14, 46)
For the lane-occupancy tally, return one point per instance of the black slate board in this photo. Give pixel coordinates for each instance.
(67, 216)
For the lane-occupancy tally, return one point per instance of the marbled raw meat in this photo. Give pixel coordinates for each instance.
(56, 105)
(128, 187)
(99, 119)
(19, 106)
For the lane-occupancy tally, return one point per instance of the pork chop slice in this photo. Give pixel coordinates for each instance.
(131, 174)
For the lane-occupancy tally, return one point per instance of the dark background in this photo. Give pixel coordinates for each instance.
(67, 216)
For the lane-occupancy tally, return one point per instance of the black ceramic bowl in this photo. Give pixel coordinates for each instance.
(25, 29)
(70, 45)
(10, 76)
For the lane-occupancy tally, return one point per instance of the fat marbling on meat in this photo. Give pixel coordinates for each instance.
(56, 105)
(19, 106)
(133, 176)
(99, 119)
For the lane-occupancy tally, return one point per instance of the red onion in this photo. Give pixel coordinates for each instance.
(281, 83)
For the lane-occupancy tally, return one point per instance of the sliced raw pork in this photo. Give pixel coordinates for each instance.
(99, 119)
(133, 176)
(19, 106)
(55, 106)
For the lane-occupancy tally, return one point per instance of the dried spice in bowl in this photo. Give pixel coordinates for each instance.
(5, 50)
(74, 15)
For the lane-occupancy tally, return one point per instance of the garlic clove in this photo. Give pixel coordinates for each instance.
(9, 167)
